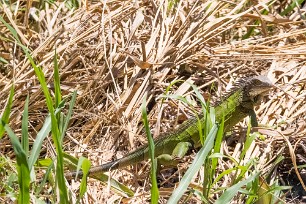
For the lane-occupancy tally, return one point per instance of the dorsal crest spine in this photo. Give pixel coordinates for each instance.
(239, 84)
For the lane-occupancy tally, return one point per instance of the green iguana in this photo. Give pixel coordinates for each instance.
(238, 103)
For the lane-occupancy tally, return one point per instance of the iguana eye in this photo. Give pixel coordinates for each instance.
(257, 82)
(256, 98)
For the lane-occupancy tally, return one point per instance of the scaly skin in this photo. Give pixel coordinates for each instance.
(238, 103)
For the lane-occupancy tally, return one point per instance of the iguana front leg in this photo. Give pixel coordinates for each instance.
(178, 153)
(253, 118)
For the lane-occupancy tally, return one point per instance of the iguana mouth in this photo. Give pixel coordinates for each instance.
(263, 90)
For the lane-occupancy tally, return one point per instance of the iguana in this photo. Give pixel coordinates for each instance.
(236, 104)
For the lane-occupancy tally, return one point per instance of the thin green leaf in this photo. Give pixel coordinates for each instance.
(42, 134)
(3, 60)
(195, 166)
(154, 188)
(228, 195)
(57, 87)
(115, 185)
(12, 30)
(22, 167)
(85, 168)
(68, 117)
(199, 96)
(50, 164)
(214, 161)
(293, 5)
(6, 114)
(249, 140)
(79, 165)
(24, 129)
(169, 87)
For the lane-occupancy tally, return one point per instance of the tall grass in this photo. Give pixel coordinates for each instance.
(56, 122)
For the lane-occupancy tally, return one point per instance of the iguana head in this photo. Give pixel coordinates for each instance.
(252, 89)
(258, 85)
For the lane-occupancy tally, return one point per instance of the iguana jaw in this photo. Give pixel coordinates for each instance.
(255, 91)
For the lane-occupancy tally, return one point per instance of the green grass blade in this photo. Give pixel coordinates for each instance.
(24, 128)
(80, 164)
(218, 142)
(115, 185)
(50, 165)
(204, 110)
(6, 114)
(214, 161)
(4, 61)
(169, 87)
(249, 140)
(22, 168)
(57, 87)
(244, 169)
(195, 166)
(85, 168)
(12, 30)
(293, 5)
(227, 196)
(154, 188)
(42, 134)
(225, 172)
(68, 117)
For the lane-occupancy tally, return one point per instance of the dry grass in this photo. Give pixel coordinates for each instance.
(116, 52)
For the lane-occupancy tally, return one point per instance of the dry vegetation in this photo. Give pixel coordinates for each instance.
(116, 52)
